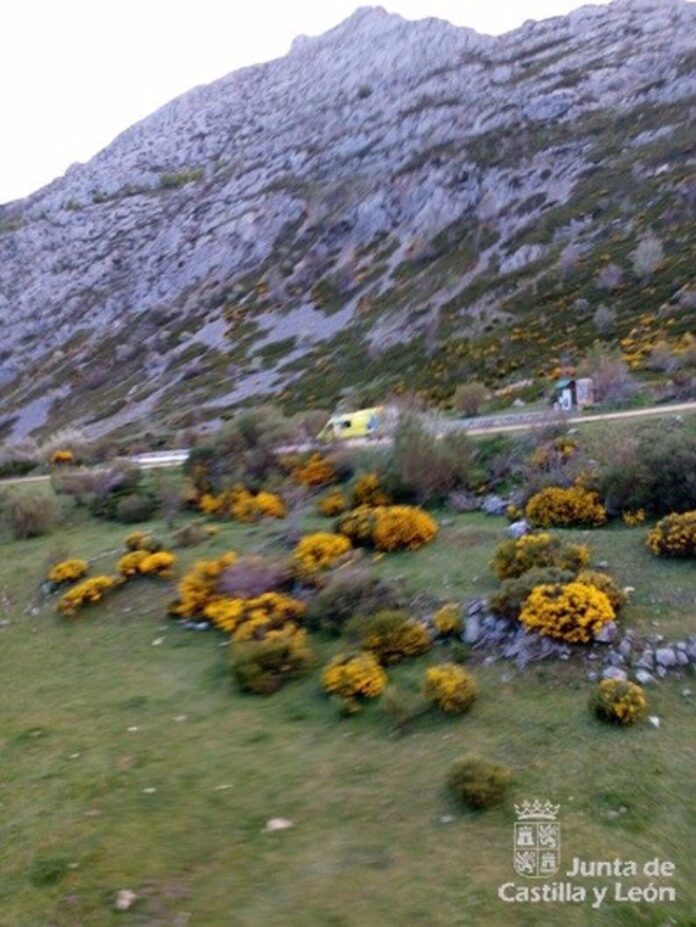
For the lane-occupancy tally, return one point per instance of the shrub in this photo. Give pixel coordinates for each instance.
(368, 491)
(556, 507)
(62, 457)
(477, 782)
(403, 706)
(199, 587)
(606, 584)
(618, 702)
(251, 576)
(349, 593)
(263, 667)
(469, 397)
(632, 519)
(333, 503)
(389, 527)
(190, 535)
(67, 571)
(31, 516)
(85, 593)
(317, 552)
(354, 676)
(242, 505)
(450, 687)
(142, 563)
(142, 540)
(424, 468)
(255, 618)
(510, 598)
(391, 635)
(135, 507)
(448, 619)
(16, 467)
(317, 470)
(573, 613)
(655, 472)
(515, 557)
(674, 536)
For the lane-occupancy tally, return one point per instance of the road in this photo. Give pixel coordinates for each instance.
(522, 421)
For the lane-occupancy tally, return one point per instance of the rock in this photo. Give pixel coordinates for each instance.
(518, 529)
(125, 900)
(665, 656)
(626, 647)
(654, 720)
(462, 501)
(472, 630)
(647, 659)
(686, 693)
(476, 607)
(494, 505)
(607, 633)
(682, 658)
(614, 672)
(661, 672)
(644, 677)
(614, 658)
(276, 824)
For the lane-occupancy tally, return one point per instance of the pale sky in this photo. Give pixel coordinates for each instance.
(75, 73)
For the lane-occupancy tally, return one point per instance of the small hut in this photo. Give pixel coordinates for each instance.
(570, 393)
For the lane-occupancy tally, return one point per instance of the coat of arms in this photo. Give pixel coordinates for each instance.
(537, 839)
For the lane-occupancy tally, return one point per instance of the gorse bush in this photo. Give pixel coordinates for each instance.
(478, 783)
(263, 667)
(515, 557)
(263, 616)
(607, 584)
(389, 527)
(353, 591)
(242, 505)
(573, 613)
(332, 503)
(142, 540)
(368, 491)
(143, 563)
(450, 687)
(354, 676)
(199, 586)
(135, 507)
(508, 601)
(87, 592)
(447, 620)
(559, 507)
(391, 635)
(618, 702)
(67, 571)
(317, 470)
(318, 552)
(674, 536)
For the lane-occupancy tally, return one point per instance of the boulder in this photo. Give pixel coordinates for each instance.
(518, 529)
(607, 633)
(614, 672)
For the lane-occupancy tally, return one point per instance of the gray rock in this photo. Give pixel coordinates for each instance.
(472, 631)
(644, 677)
(661, 671)
(666, 656)
(607, 633)
(494, 505)
(518, 529)
(646, 660)
(682, 658)
(614, 672)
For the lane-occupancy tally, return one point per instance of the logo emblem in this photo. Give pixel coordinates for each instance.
(537, 839)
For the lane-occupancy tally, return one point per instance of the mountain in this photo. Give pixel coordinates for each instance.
(391, 205)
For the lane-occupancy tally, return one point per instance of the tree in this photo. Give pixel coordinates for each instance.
(469, 397)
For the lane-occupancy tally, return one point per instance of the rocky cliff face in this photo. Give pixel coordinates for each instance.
(396, 203)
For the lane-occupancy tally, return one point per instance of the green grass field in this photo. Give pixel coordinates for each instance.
(131, 761)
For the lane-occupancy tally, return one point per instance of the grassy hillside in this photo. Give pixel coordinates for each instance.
(132, 761)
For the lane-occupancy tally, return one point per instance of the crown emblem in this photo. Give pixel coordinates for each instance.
(536, 810)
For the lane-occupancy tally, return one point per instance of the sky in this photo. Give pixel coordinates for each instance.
(76, 73)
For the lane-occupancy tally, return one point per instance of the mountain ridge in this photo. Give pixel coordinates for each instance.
(380, 188)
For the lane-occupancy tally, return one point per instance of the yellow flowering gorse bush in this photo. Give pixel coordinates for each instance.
(392, 635)
(68, 571)
(354, 675)
(199, 587)
(62, 457)
(607, 584)
(368, 491)
(87, 592)
(674, 536)
(618, 702)
(389, 527)
(450, 687)
(239, 504)
(634, 518)
(514, 557)
(317, 552)
(561, 507)
(316, 471)
(573, 612)
(332, 503)
(448, 619)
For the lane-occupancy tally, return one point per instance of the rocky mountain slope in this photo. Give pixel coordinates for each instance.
(393, 204)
